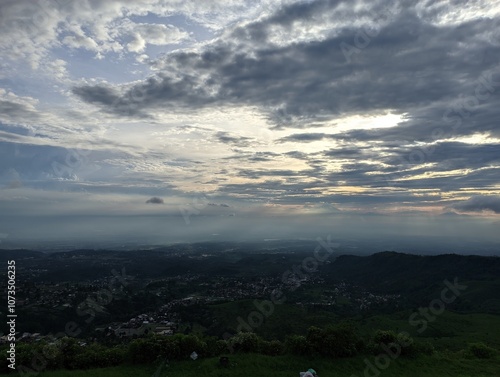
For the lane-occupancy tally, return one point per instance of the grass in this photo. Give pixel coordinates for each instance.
(245, 365)
(449, 330)
(449, 333)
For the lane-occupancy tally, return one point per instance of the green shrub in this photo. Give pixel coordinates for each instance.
(176, 347)
(25, 354)
(170, 348)
(408, 346)
(384, 337)
(315, 338)
(245, 342)
(189, 343)
(334, 341)
(297, 345)
(480, 350)
(142, 351)
(221, 347)
(271, 348)
(53, 354)
(400, 344)
(215, 346)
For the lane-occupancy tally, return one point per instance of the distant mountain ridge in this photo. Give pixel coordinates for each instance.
(421, 278)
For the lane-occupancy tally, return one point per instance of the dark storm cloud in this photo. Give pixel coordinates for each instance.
(445, 79)
(239, 141)
(299, 193)
(251, 156)
(155, 200)
(263, 157)
(255, 174)
(129, 103)
(14, 110)
(287, 15)
(437, 121)
(297, 154)
(409, 65)
(447, 155)
(485, 178)
(304, 137)
(396, 166)
(386, 165)
(274, 190)
(218, 205)
(479, 204)
(98, 94)
(352, 152)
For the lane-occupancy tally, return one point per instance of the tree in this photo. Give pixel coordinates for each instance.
(334, 341)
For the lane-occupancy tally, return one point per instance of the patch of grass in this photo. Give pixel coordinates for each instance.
(244, 365)
(448, 331)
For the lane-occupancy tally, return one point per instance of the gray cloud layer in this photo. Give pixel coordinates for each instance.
(155, 200)
(479, 203)
(445, 78)
(409, 66)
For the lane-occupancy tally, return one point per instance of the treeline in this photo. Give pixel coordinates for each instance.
(335, 341)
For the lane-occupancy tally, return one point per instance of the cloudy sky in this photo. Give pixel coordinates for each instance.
(168, 120)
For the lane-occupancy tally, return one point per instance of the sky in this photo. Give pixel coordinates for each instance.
(160, 121)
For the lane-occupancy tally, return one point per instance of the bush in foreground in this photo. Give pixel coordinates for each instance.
(297, 345)
(403, 343)
(480, 350)
(334, 341)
